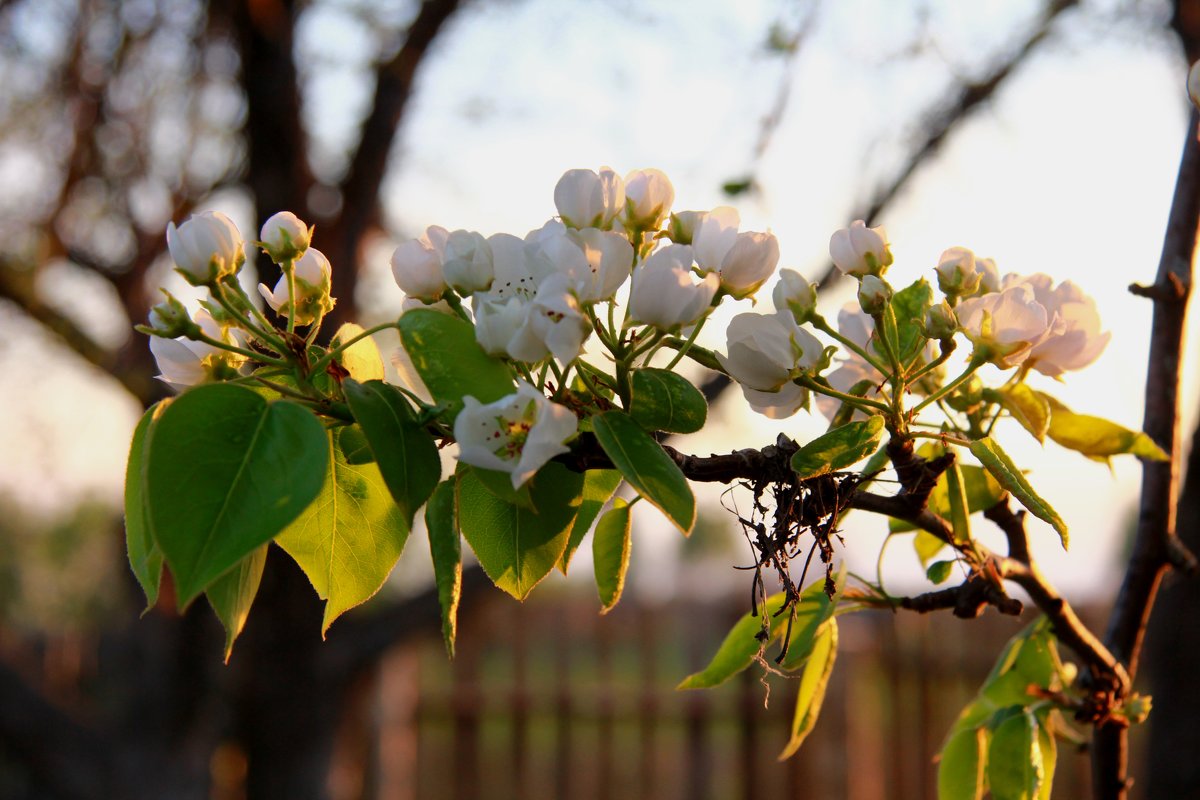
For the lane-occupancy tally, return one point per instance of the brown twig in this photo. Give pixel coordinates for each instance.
(1152, 548)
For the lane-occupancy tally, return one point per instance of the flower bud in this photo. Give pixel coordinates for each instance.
(957, 273)
(989, 275)
(940, 321)
(417, 265)
(683, 226)
(859, 250)
(285, 237)
(1193, 84)
(585, 199)
(313, 278)
(206, 247)
(170, 320)
(648, 198)
(794, 293)
(874, 294)
(468, 263)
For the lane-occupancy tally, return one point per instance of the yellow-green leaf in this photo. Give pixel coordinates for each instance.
(839, 448)
(361, 359)
(1014, 764)
(445, 547)
(145, 559)
(813, 683)
(962, 766)
(598, 486)
(997, 462)
(610, 553)
(1026, 406)
(1095, 437)
(232, 594)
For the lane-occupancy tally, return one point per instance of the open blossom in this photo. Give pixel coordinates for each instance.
(665, 293)
(554, 324)
(766, 351)
(1076, 340)
(184, 362)
(284, 236)
(595, 262)
(205, 247)
(498, 319)
(467, 262)
(859, 250)
(313, 275)
(1006, 326)
(585, 199)
(516, 434)
(648, 198)
(417, 264)
(743, 261)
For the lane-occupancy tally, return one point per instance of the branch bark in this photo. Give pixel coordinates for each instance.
(1152, 548)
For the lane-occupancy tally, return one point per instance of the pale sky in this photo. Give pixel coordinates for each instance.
(1069, 171)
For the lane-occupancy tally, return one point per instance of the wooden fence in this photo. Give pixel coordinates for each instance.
(549, 700)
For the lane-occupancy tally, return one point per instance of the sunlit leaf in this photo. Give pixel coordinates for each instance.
(232, 594)
(962, 766)
(1026, 406)
(145, 559)
(445, 548)
(226, 472)
(1095, 437)
(361, 359)
(610, 553)
(739, 647)
(909, 306)
(939, 571)
(1015, 769)
(814, 680)
(349, 539)
(997, 462)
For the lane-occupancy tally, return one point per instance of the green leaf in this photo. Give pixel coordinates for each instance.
(517, 547)
(449, 360)
(812, 612)
(739, 647)
(839, 448)
(445, 547)
(500, 484)
(405, 453)
(813, 683)
(846, 410)
(997, 462)
(355, 446)
(647, 467)
(939, 571)
(1049, 750)
(1014, 764)
(664, 401)
(361, 359)
(1095, 437)
(956, 499)
(961, 769)
(610, 553)
(145, 559)
(909, 305)
(982, 490)
(226, 472)
(598, 486)
(349, 539)
(232, 594)
(926, 545)
(1026, 406)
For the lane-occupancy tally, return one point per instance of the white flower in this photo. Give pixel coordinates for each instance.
(780, 404)
(587, 200)
(859, 328)
(1076, 340)
(467, 262)
(206, 247)
(1005, 326)
(184, 362)
(795, 294)
(511, 266)
(743, 261)
(683, 226)
(313, 276)
(664, 293)
(417, 264)
(989, 275)
(553, 324)
(958, 274)
(595, 262)
(859, 250)
(1193, 84)
(648, 198)
(516, 434)
(766, 351)
(498, 319)
(284, 236)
